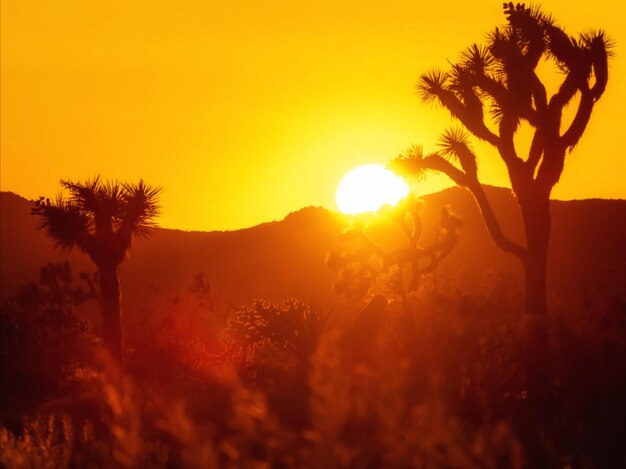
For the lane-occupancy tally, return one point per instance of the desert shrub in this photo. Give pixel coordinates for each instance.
(272, 347)
(292, 327)
(41, 348)
(442, 385)
(182, 334)
(45, 350)
(46, 347)
(45, 442)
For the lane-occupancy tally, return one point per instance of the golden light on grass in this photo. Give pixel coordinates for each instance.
(369, 187)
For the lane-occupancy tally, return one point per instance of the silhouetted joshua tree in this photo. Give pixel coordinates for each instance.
(101, 219)
(403, 267)
(501, 79)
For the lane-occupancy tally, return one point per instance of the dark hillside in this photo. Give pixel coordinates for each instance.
(285, 259)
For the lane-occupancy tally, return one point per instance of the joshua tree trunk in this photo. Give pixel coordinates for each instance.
(535, 267)
(535, 206)
(534, 201)
(111, 317)
(536, 215)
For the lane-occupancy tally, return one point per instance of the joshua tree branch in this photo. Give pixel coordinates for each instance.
(440, 164)
(536, 150)
(506, 144)
(572, 135)
(474, 122)
(405, 230)
(535, 50)
(89, 244)
(437, 258)
(600, 65)
(437, 163)
(493, 226)
(493, 87)
(567, 90)
(499, 93)
(373, 247)
(414, 166)
(588, 98)
(540, 97)
(550, 170)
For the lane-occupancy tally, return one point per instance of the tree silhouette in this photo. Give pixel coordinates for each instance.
(501, 79)
(403, 268)
(101, 219)
(56, 287)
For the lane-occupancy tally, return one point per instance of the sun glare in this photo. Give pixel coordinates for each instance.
(369, 187)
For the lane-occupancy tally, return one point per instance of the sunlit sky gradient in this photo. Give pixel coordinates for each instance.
(245, 111)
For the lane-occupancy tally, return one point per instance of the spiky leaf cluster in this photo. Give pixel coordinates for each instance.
(99, 217)
(500, 78)
(455, 158)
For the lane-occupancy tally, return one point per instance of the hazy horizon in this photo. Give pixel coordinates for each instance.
(334, 210)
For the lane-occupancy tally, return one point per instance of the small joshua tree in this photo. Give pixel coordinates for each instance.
(404, 267)
(56, 287)
(101, 219)
(502, 77)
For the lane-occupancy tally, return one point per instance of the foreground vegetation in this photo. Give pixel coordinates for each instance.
(434, 381)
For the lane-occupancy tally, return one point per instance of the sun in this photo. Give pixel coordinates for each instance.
(368, 187)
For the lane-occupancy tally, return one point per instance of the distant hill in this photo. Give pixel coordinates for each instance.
(286, 258)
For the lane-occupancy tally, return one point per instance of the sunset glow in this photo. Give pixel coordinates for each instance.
(369, 187)
(349, 234)
(226, 105)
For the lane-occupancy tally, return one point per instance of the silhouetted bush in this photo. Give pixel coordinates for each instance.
(45, 345)
(440, 382)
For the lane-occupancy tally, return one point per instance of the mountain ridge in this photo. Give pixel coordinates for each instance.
(286, 258)
(319, 208)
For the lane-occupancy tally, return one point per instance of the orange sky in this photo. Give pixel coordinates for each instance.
(245, 111)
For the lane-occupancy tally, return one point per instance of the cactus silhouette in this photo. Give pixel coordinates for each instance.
(501, 79)
(101, 219)
(403, 267)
